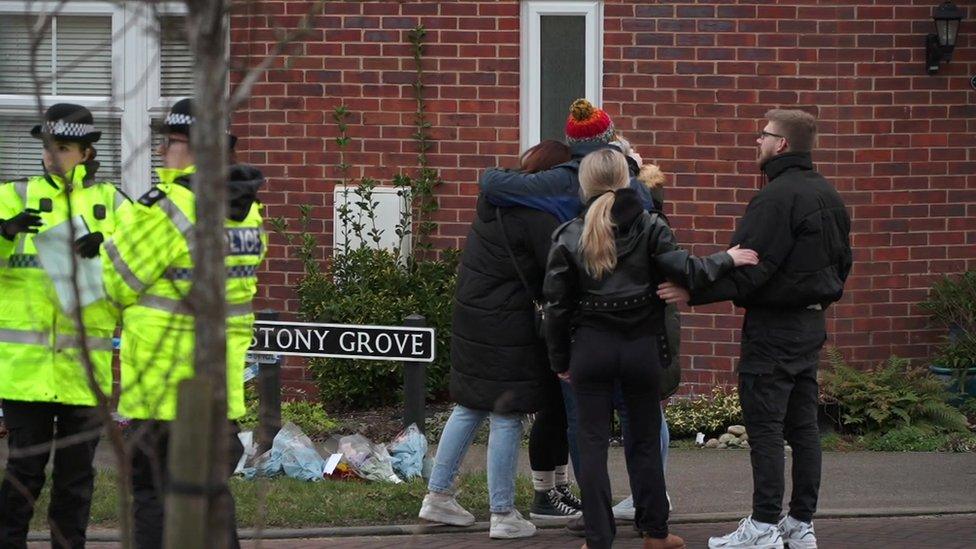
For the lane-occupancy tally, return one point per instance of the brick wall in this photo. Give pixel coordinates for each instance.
(687, 83)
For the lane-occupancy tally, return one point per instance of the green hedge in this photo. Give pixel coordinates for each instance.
(368, 286)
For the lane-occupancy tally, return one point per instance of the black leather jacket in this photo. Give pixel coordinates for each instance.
(647, 254)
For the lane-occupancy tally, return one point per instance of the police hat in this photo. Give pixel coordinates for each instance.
(67, 122)
(180, 119)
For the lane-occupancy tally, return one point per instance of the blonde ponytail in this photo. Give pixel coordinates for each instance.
(597, 242)
(601, 171)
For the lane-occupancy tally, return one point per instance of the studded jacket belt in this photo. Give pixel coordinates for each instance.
(615, 303)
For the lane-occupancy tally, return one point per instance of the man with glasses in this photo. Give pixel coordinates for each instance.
(149, 266)
(801, 229)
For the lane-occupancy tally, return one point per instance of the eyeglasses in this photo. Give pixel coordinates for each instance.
(764, 133)
(169, 140)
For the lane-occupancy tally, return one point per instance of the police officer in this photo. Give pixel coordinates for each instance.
(45, 386)
(801, 229)
(148, 271)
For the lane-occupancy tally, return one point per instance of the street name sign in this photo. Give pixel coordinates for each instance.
(399, 343)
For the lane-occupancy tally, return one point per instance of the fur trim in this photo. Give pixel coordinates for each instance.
(651, 176)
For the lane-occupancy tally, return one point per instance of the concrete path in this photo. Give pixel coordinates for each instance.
(941, 532)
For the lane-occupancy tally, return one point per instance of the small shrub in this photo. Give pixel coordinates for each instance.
(372, 287)
(960, 442)
(310, 416)
(952, 304)
(906, 439)
(709, 414)
(888, 397)
(967, 407)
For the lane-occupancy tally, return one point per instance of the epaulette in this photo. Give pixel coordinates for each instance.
(153, 196)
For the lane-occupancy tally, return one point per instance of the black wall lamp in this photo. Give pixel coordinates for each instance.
(939, 46)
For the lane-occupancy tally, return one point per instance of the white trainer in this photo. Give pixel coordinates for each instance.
(444, 509)
(752, 534)
(797, 534)
(625, 509)
(510, 525)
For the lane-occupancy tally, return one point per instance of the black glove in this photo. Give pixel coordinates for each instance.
(26, 221)
(87, 246)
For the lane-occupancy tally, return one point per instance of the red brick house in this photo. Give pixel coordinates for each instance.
(687, 82)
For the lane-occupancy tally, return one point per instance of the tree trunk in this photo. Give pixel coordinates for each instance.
(207, 32)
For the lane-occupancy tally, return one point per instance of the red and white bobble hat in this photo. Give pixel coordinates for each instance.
(588, 124)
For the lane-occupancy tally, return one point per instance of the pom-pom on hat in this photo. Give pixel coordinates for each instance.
(587, 123)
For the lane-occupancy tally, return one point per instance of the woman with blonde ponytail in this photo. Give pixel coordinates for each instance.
(605, 326)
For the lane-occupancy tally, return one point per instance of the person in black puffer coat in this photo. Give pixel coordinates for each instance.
(499, 364)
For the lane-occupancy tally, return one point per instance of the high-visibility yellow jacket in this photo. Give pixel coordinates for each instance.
(148, 271)
(40, 356)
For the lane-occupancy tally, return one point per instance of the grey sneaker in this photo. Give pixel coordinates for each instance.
(510, 525)
(752, 534)
(797, 534)
(625, 509)
(444, 509)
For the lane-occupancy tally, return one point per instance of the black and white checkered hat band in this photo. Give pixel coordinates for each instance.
(68, 129)
(179, 119)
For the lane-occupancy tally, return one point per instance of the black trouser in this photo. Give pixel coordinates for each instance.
(779, 393)
(34, 428)
(548, 439)
(598, 359)
(150, 477)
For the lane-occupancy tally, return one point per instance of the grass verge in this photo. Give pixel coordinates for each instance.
(288, 503)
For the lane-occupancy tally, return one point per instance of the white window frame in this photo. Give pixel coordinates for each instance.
(530, 80)
(135, 77)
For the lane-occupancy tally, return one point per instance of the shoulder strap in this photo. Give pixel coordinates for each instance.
(508, 248)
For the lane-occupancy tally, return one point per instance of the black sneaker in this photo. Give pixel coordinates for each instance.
(577, 527)
(549, 505)
(569, 498)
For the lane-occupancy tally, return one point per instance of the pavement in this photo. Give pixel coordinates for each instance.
(933, 493)
(925, 532)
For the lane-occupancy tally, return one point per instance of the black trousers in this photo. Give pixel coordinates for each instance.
(34, 428)
(779, 394)
(598, 360)
(548, 439)
(150, 452)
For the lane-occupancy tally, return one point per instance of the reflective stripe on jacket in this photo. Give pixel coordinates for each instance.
(40, 349)
(148, 272)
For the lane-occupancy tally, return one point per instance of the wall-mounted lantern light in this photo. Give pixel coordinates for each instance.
(939, 46)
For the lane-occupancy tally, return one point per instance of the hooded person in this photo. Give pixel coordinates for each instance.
(557, 191)
(148, 271)
(49, 365)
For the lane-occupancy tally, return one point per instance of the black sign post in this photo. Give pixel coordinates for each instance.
(413, 344)
(414, 381)
(269, 394)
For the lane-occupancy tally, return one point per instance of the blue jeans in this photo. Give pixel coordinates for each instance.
(572, 420)
(504, 440)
